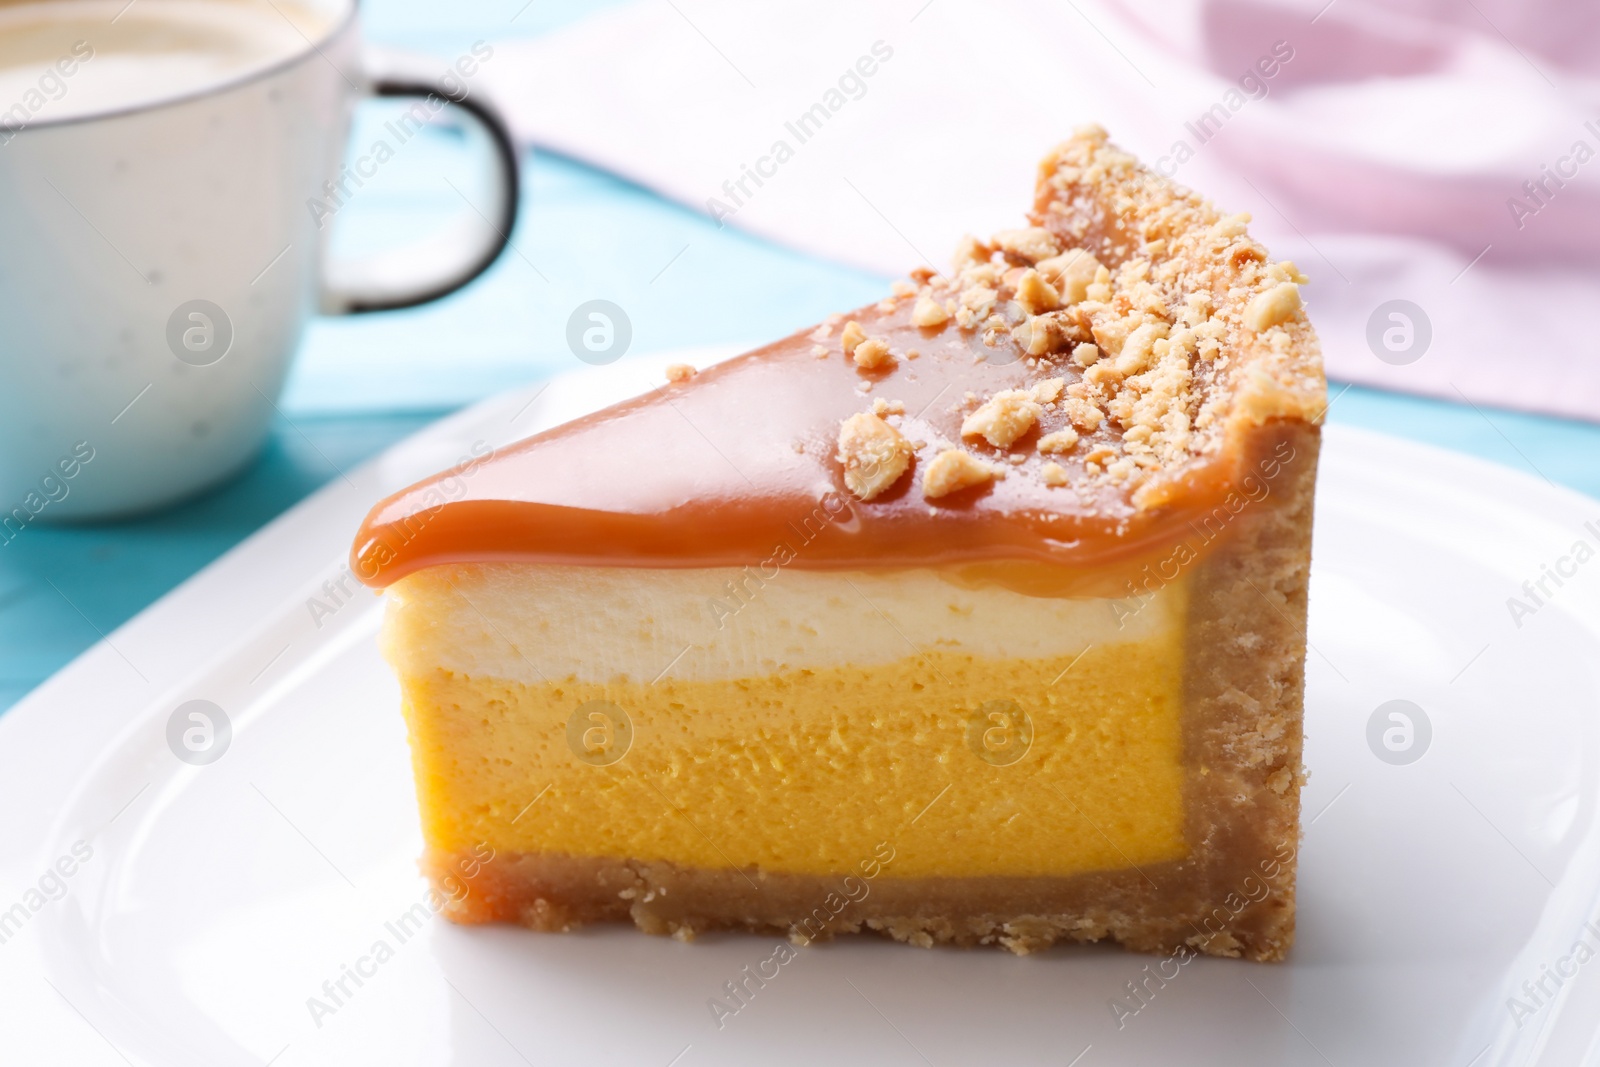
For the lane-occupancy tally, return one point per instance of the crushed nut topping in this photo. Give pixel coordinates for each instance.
(873, 354)
(953, 470)
(1044, 335)
(853, 335)
(873, 453)
(1276, 305)
(1226, 229)
(978, 299)
(1054, 475)
(1035, 294)
(1030, 245)
(928, 313)
(1049, 390)
(1060, 441)
(971, 250)
(1071, 274)
(679, 372)
(1153, 330)
(1084, 415)
(1003, 418)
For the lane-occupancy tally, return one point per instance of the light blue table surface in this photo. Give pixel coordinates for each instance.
(364, 382)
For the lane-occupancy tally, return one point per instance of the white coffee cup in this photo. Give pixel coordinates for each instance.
(163, 230)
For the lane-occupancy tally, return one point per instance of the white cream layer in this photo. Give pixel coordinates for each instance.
(534, 622)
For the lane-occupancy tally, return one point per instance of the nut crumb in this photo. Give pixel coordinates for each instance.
(1003, 418)
(1054, 474)
(1060, 441)
(1084, 415)
(1276, 305)
(873, 453)
(1049, 390)
(1086, 355)
(1035, 294)
(929, 313)
(1031, 244)
(1231, 226)
(679, 372)
(1071, 273)
(873, 354)
(953, 470)
(970, 250)
(853, 335)
(1054, 331)
(882, 407)
(978, 299)
(819, 350)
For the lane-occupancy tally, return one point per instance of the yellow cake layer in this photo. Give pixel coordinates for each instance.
(810, 770)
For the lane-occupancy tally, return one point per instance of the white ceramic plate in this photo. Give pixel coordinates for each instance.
(206, 905)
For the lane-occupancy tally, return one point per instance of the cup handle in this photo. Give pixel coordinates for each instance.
(440, 265)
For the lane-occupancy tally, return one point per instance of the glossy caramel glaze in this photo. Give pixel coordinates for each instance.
(738, 465)
(1201, 356)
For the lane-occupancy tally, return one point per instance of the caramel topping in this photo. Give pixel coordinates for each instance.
(1174, 334)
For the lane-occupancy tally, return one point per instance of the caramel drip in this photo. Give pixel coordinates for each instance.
(737, 466)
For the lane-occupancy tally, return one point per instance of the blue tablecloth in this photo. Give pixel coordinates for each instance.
(363, 382)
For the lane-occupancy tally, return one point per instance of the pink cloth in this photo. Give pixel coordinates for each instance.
(1441, 154)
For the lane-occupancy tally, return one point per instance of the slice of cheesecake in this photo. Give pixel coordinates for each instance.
(976, 615)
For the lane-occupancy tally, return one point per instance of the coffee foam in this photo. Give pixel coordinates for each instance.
(67, 59)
